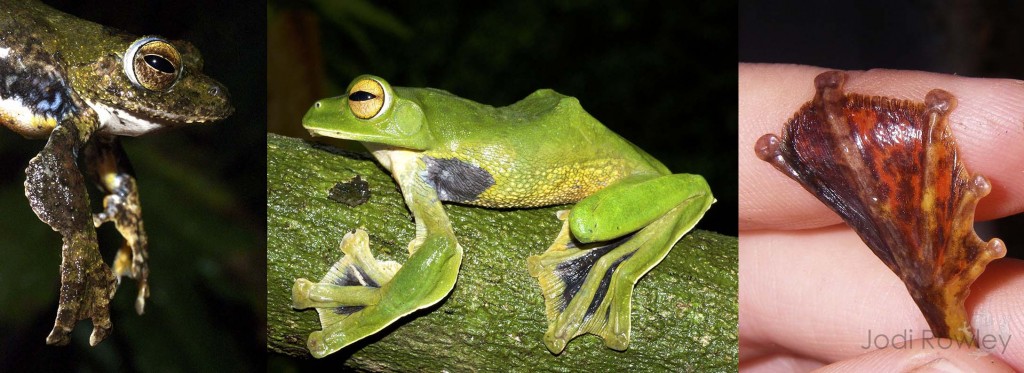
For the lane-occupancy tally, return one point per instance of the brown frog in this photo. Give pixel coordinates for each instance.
(82, 85)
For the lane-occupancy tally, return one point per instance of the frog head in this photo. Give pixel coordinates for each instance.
(372, 112)
(149, 83)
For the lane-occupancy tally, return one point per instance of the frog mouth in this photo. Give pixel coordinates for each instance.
(123, 122)
(323, 132)
(337, 134)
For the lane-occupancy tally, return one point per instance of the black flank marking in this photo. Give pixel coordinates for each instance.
(574, 272)
(38, 85)
(455, 180)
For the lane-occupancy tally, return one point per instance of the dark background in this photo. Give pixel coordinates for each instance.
(971, 38)
(203, 192)
(661, 74)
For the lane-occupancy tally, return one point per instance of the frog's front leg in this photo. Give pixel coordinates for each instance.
(113, 173)
(360, 295)
(56, 191)
(610, 240)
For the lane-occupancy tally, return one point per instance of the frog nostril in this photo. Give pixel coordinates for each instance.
(317, 104)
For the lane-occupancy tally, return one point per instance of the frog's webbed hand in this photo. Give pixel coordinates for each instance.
(352, 284)
(360, 295)
(113, 173)
(588, 273)
(56, 191)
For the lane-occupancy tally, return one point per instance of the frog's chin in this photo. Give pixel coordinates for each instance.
(116, 121)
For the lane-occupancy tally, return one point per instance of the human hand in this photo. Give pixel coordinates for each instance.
(811, 293)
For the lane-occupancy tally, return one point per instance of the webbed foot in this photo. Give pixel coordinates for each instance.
(87, 286)
(585, 290)
(588, 287)
(56, 191)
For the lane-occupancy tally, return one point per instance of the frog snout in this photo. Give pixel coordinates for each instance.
(221, 101)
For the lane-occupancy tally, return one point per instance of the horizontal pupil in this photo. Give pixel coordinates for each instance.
(159, 63)
(361, 96)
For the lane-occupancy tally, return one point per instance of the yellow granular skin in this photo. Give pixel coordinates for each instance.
(552, 186)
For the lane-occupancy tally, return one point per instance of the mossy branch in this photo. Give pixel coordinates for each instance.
(684, 311)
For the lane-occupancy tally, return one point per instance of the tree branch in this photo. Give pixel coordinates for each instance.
(684, 311)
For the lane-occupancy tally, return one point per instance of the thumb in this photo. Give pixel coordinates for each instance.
(925, 355)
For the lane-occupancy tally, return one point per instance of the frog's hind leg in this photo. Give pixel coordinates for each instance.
(587, 287)
(113, 174)
(56, 191)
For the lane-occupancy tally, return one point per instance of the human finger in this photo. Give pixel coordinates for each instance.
(988, 124)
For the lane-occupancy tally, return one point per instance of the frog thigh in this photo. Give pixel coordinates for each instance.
(112, 172)
(631, 204)
(587, 287)
(56, 191)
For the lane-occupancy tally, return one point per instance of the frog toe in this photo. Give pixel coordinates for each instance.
(358, 267)
(140, 299)
(323, 343)
(122, 263)
(60, 335)
(100, 331)
(128, 264)
(87, 286)
(316, 345)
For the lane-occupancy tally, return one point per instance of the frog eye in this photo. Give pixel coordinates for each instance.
(152, 63)
(366, 98)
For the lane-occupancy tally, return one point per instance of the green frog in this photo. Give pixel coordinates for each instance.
(81, 85)
(543, 150)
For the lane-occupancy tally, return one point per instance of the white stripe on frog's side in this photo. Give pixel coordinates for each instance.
(4, 52)
(122, 123)
(19, 118)
(13, 108)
